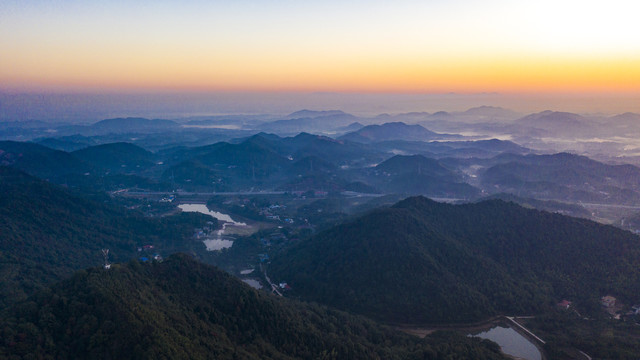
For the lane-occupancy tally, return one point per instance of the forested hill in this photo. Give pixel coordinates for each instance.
(423, 261)
(47, 233)
(182, 309)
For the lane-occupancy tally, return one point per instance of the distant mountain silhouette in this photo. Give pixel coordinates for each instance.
(417, 174)
(491, 112)
(351, 127)
(121, 125)
(119, 157)
(563, 176)
(626, 118)
(627, 124)
(317, 122)
(391, 131)
(550, 118)
(309, 114)
(557, 123)
(440, 115)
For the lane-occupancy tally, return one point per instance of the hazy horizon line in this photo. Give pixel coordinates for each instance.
(88, 106)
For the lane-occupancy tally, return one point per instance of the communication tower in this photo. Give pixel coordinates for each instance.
(105, 253)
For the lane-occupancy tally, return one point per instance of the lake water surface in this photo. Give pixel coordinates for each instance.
(217, 243)
(253, 283)
(203, 209)
(511, 342)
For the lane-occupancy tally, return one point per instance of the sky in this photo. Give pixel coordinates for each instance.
(73, 59)
(401, 46)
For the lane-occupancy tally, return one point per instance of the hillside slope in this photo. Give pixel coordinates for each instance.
(422, 261)
(47, 233)
(419, 175)
(391, 131)
(563, 176)
(39, 160)
(120, 156)
(182, 309)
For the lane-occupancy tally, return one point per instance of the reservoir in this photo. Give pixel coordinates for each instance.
(511, 342)
(218, 242)
(203, 209)
(253, 283)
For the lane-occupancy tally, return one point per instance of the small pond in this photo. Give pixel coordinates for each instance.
(253, 283)
(511, 342)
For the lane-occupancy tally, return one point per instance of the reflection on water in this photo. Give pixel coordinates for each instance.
(219, 242)
(203, 209)
(253, 283)
(511, 342)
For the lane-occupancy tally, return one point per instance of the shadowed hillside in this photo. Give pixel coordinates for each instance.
(422, 261)
(182, 309)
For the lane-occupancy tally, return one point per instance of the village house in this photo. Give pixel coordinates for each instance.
(564, 304)
(608, 301)
(284, 286)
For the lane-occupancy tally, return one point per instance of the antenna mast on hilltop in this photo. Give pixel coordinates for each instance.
(105, 253)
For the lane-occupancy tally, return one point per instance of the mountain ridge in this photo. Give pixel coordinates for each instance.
(433, 262)
(184, 309)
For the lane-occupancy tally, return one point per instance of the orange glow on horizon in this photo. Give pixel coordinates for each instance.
(405, 46)
(510, 75)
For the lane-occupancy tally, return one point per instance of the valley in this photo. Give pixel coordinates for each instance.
(387, 221)
(322, 180)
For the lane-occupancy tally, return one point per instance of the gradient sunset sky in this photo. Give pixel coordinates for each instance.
(404, 46)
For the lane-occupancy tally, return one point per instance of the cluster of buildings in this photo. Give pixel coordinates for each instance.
(147, 253)
(608, 301)
(273, 212)
(284, 286)
(611, 305)
(168, 199)
(310, 193)
(201, 233)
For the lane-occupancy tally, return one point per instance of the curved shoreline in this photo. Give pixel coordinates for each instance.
(426, 329)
